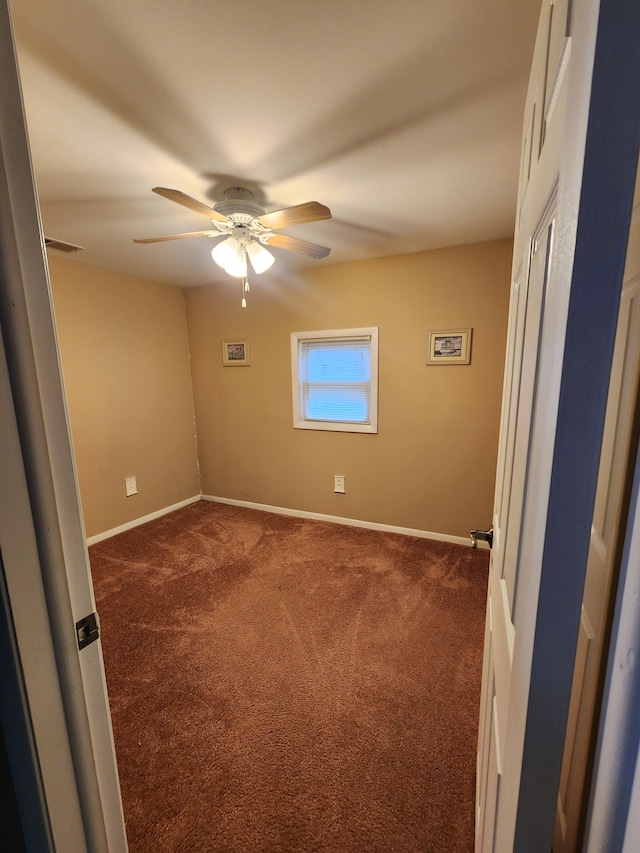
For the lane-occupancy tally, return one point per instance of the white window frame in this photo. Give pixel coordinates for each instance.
(340, 336)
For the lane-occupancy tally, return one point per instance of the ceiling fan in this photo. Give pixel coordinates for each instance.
(247, 229)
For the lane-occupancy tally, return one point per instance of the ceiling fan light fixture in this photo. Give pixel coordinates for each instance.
(237, 265)
(226, 252)
(261, 258)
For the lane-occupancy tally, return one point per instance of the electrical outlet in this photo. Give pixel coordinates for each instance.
(338, 485)
(130, 486)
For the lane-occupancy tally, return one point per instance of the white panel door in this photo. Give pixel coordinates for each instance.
(524, 343)
(532, 255)
(535, 576)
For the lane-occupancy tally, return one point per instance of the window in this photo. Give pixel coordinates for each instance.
(335, 380)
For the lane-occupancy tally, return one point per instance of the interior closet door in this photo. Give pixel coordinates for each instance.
(511, 605)
(521, 386)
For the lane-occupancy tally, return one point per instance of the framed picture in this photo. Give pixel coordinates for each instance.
(236, 353)
(452, 346)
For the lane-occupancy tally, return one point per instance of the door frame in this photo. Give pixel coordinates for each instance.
(613, 820)
(61, 691)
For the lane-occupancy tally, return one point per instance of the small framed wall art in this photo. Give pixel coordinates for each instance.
(452, 346)
(236, 353)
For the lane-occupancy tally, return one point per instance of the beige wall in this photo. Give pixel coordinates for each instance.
(432, 464)
(125, 358)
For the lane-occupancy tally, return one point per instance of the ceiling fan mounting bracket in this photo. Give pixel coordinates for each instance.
(238, 193)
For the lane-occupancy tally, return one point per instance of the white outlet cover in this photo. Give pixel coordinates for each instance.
(131, 486)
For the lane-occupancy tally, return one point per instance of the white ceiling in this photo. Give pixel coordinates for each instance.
(403, 117)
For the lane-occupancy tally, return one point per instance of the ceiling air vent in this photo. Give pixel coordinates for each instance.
(69, 248)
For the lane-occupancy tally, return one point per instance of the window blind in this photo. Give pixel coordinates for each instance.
(334, 376)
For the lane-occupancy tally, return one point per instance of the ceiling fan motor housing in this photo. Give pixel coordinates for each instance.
(239, 200)
(227, 208)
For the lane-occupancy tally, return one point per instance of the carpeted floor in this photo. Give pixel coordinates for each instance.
(279, 684)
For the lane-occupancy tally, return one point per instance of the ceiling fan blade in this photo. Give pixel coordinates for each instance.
(191, 203)
(310, 211)
(292, 244)
(180, 236)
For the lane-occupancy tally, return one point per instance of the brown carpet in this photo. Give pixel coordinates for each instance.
(279, 684)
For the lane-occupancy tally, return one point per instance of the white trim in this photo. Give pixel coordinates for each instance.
(614, 796)
(349, 522)
(138, 521)
(368, 333)
(67, 698)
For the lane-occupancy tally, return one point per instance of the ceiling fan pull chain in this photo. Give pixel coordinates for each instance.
(245, 287)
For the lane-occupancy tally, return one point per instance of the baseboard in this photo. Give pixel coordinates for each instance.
(138, 521)
(279, 510)
(350, 522)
